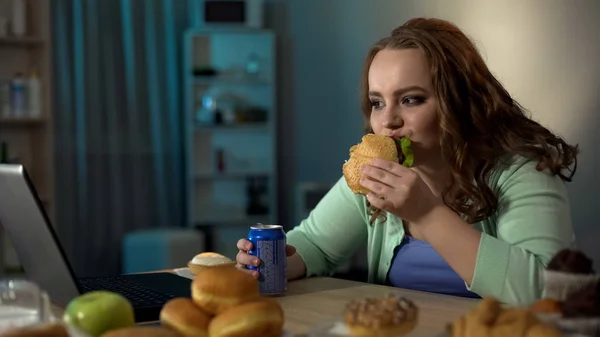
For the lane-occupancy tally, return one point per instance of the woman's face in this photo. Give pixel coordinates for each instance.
(403, 101)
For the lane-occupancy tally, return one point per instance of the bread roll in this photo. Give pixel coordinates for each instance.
(262, 317)
(372, 146)
(142, 331)
(183, 316)
(209, 260)
(217, 289)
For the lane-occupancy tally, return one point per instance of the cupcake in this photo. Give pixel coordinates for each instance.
(581, 312)
(209, 260)
(568, 272)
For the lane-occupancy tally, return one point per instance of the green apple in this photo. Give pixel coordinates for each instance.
(97, 312)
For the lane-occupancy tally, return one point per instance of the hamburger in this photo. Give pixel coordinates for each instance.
(375, 146)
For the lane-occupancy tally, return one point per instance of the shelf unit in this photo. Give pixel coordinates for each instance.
(29, 139)
(230, 72)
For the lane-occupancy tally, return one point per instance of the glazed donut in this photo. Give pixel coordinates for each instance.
(183, 316)
(262, 317)
(216, 289)
(386, 316)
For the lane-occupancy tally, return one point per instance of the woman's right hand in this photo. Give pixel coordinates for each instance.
(244, 259)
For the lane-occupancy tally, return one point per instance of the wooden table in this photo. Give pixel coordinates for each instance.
(316, 301)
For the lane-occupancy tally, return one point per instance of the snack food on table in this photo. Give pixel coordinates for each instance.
(385, 316)
(99, 311)
(209, 260)
(580, 312)
(225, 303)
(217, 289)
(185, 317)
(489, 318)
(573, 285)
(263, 317)
(546, 306)
(568, 272)
(142, 331)
(374, 146)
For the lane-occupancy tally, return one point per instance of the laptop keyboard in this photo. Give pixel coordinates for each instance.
(138, 295)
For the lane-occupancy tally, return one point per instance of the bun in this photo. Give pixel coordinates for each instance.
(217, 289)
(387, 316)
(183, 316)
(209, 260)
(263, 317)
(372, 146)
(142, 331)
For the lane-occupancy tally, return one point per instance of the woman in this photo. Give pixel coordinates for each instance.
(484, 207)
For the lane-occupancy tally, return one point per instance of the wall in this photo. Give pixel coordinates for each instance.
(546, 53)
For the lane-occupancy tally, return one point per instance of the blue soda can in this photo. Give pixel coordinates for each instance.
(268, 243)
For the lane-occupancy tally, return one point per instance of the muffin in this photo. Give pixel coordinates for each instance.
(568, 272)
(209, 260)
(581, 312)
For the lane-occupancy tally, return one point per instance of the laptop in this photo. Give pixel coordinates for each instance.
(45, 263)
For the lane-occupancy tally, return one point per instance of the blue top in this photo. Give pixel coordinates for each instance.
(417, 266)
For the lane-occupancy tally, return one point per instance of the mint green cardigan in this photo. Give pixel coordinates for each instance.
(532, 223)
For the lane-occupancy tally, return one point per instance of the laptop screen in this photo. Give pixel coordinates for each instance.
(28, 228)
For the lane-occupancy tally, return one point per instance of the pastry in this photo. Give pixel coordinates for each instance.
(262, 317)
(386, 316)
(583, 303)
(374, 146)
(209, 260)
(572, 262)
(568, 272)
(581, 312)
(218, 289)
(546, 306)
(514, 322)
(183, 316)
(490, 319)
(142, 331)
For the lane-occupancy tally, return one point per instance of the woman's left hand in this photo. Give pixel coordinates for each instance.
(398, 190)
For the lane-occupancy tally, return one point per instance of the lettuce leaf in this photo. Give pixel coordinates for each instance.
(409, 157)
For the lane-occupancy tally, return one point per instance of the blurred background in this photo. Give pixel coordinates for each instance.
(157, 129)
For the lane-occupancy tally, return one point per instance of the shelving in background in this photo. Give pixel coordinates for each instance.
(230, 127)
(27, 133)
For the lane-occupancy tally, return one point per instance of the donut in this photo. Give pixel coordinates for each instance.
(262, 317)
(386, 316)
(183, 316)
(216, 289)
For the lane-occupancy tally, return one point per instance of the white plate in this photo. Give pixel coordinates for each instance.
(184, 272)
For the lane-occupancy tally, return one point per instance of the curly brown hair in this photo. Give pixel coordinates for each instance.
(479, 121)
